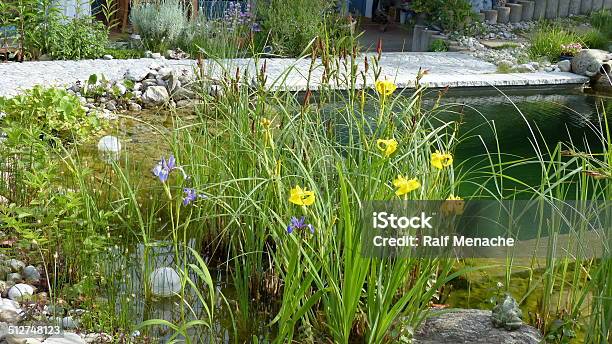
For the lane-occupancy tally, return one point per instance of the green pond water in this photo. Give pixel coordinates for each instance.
(523, 121)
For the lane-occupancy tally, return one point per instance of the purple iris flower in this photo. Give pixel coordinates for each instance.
(297, 224)
(255, 27)
(164, 167)
(191, 195)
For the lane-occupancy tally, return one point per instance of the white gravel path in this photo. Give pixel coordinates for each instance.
(445, 69)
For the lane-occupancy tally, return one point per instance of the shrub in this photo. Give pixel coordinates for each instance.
(54, 111)
(548, 40)
(438, 45)
(451, 14)
(159, 24)
(292, 25)
(78, 39)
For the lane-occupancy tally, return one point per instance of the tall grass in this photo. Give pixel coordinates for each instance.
(247, 149)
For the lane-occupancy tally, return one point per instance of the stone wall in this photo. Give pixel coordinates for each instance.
(478, 5)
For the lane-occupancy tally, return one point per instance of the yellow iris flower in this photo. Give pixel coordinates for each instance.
(387, 146)
(385, 87)
(301, 196)
(265, 122)
(405, 186)
(441, 160)
(454, 205)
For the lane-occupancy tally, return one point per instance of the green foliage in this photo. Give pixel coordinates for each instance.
(159, 24)
(291, 25)
(124, 53)
(547, 41)
(438, 45)
(56, 112)
(43, 30)
(594, 39)
(602, 20)
(77, 39)
(450, 14)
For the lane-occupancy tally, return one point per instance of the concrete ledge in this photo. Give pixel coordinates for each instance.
(449, 69)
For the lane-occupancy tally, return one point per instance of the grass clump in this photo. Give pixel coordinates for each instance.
(594, 39)
(602, 20)
(547, 41)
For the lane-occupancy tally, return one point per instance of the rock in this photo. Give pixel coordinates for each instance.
(95, 338)
(31, 274)
(148, 54)
(106, 115)
(156, 56)
(183, 93)
(505, 64)
(4, 288)
(136, 74)
(107, 57)
(507, 314)
(111, 106)
(10, 316)
(69, 323)
(165, 72)
(14, 277)
(135, 107)
(589, 62)
(173, 82)
(19, 291)
(155, 95)
(156, 66)
(471, 326)
(165, 282)
(109, 144)
(148, 83)
(109, 148)
(185, 103)
(565, 65)
(16, 265)
(67, 338)
(525, 68)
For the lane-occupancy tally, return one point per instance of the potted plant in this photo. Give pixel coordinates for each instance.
(421, 9)
(568, 51)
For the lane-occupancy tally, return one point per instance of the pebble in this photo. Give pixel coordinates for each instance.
(135, 107)
(31, 274)
(109, 144)
(19, 291)
(16, 265)
(14, 277)
(69, 323)
(107, 57)
(564, 66)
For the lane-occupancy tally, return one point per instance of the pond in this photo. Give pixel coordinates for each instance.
(518, 123)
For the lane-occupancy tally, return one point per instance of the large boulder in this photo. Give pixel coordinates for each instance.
(591, 62)
(155, 95)
(473, 326)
